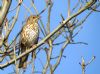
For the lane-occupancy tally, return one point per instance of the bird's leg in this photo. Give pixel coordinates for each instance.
(33, 58)
(33, 52)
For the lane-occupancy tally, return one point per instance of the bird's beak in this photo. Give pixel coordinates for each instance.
(38, 17)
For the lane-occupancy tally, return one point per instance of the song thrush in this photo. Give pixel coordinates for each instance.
(29, 37)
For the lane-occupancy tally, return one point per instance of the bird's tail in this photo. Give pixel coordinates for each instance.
(23, 60)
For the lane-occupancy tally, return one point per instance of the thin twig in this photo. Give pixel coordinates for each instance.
(4, 10)
(60, 55)
(27, 8)
(84, 65)
(13, 23)
(44, 32)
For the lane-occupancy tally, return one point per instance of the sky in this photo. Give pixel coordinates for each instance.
(89, 34)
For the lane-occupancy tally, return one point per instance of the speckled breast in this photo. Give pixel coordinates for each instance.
(29, 34)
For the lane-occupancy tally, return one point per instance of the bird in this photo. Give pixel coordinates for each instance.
(29, 37)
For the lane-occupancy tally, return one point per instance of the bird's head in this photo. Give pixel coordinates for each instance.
(33, 18)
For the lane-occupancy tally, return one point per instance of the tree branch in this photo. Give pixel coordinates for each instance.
(4, 10)
(89, 4)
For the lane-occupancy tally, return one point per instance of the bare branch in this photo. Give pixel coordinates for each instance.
(49, 13)
(60, 55)
(4, 10)
(89, 4)
(13, 23)
(84, 65)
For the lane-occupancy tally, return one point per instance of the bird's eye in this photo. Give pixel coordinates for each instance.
(33, 17)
